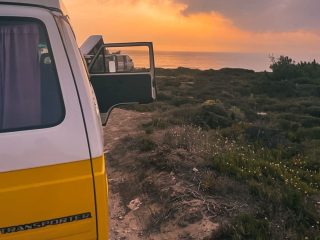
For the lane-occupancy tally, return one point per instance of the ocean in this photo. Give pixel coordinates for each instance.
(200, 60)
(213, 60)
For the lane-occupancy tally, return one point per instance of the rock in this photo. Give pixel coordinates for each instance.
(134, 204)
(195, 170)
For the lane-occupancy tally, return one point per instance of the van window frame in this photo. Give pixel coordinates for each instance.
(44, 29)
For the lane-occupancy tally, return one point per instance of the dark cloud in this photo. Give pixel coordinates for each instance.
(263, 15)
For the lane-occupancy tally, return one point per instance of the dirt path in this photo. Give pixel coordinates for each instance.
(122, 123)
(153, 194)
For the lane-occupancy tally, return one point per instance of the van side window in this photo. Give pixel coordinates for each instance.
(30, 94)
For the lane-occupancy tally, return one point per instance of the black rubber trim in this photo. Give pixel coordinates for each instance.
(31, 5)
(85, 127)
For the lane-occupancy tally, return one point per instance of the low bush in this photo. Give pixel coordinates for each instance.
(309, 133)
(245, 227)
(146, 145)
(313, 111)
(260, 129)
(155, 123)
(265, 136)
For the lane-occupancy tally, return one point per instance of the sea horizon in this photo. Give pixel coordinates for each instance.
(212, 60)
(255, 61)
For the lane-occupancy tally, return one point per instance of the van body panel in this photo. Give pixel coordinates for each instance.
(63, 143)
(47, 188)
(85, 90)
(101, 188)
(46, 193)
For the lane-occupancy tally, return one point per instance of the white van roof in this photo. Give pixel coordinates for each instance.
(57, 4)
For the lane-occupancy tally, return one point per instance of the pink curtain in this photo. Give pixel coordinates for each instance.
(20, 96)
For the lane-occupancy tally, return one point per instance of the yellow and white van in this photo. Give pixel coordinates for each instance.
(52, 166)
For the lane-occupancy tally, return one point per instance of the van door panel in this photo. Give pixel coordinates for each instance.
(132, 80)
(113, 89)
(30, 198)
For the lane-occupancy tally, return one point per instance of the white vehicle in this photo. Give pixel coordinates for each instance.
(106, 62)
(118, 62)
(52, 166)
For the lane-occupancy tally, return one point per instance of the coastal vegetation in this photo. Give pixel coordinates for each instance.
(260, 129)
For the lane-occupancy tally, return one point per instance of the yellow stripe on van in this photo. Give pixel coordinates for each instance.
(101, 196)
(60, 193)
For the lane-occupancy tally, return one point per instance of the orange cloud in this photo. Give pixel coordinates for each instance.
(163, 23)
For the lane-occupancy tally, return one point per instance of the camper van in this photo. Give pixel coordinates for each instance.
(52, 165)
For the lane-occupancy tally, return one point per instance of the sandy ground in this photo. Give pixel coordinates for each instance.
(133, 212)
(122, 123)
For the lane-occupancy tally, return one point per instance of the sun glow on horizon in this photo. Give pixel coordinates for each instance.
(163, 23)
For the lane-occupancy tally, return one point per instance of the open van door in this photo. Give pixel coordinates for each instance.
(123, 73)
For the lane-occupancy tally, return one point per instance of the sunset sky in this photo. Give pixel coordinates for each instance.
(265, 26)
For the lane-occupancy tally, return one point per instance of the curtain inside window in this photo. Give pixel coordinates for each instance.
(20, 97)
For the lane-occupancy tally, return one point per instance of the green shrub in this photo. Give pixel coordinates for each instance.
(163, 97)
(140, 107)
(303, 80)
(266, 136)
(313, 111)
(218, 109)
(293, 200)
(308, 121)
(307, 90)
(234, 132)
(211, 120)
(157, 123)
(287, 125)
(309, 133)
(171, 82)
(146, 145)
(277, 89)
(245, 227)
(284, 68)
(178, 101)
